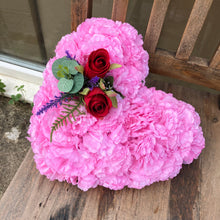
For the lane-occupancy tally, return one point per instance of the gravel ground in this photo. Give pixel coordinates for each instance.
(14, 122)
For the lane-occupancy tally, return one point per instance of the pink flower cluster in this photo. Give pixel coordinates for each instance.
(146, 139)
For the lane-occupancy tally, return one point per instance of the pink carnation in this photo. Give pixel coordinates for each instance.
(146, 139)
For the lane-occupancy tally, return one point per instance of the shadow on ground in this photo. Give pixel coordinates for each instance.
(14, 123)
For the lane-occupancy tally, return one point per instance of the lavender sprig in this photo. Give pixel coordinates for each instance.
(54, 103)
(93, 82)
(68, 56)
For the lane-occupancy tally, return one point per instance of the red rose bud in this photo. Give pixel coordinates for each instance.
(98, 64)
(97, 103)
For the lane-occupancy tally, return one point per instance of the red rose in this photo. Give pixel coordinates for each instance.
(98, 64)
(97, 103)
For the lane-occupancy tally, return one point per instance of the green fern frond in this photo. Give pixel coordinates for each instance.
(66, 115)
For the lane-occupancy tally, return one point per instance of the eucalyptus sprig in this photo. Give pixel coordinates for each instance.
(67, 114)
(71, 80)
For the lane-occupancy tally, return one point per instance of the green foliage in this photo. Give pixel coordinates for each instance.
(20, 88)
(70, 78)
(78, 83)
(64, 67)
(79, 68)
(2, 87)
(60, 73)
(114, 66)
(65, 85)
(101, 84)
(109, 82)
(15, 98)
(18, 96)
(85, 91)
(118, 93)
(67, 114)
(110, 93)
(114, 102)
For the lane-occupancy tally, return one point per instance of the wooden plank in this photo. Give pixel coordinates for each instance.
(155, 24)
(210, 184)
(80, 10)
(151, 203)
(193, 194)
(186, 199)
(32, 196)
(215, 62)
(119, 10)
(193, 28)
(184, 193)
(185, 189)
(164, 63)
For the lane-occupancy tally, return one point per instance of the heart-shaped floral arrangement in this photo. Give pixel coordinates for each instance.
(95, 122)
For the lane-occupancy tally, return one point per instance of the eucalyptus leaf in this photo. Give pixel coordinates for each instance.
(66, 69)
(60, 74)
(71, 64)
(57, 65)
(78, 83)
(65, 64)
(65, 85)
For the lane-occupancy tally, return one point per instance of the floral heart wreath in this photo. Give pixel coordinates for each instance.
(94, 121)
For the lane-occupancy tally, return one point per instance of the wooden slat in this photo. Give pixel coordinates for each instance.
(193, 194)
(193, 28)
(210, 184)
(119, 10)
(155, 24)
(215, 62)
(164, 63)
(80, 10)
(32, 196)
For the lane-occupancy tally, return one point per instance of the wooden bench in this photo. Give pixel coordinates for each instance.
(193, 194)
(180, 65)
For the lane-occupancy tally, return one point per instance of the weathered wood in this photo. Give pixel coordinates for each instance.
(193, 194)
(119, 10)
(155, 24)
(184, 193)
(215, 62)
(80, 10)
(186, 188)
(193, 28)
(151, 203)
(195, 71)
(210, 162)
(32, 196)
